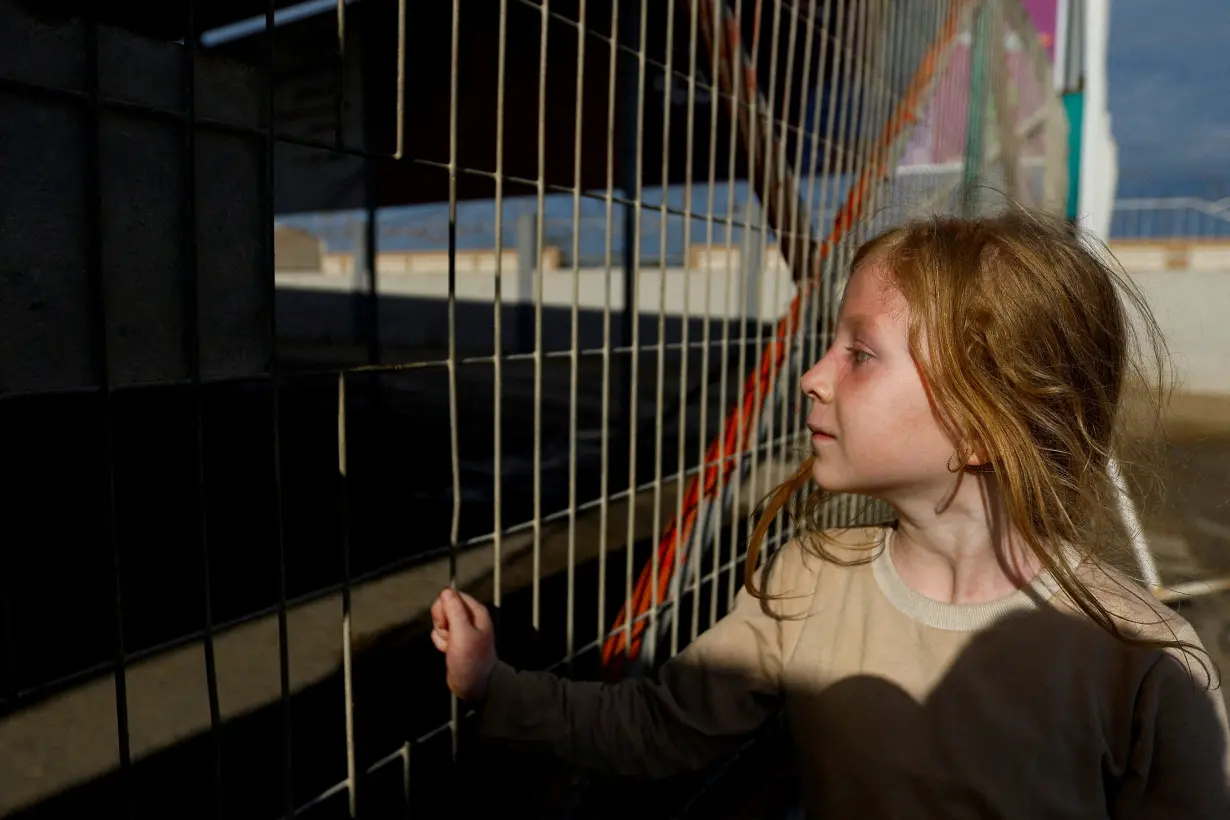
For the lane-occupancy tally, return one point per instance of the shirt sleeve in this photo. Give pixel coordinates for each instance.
(716, 691)
(1179, 764)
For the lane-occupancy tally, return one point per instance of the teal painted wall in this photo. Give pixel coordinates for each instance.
(1074, 107)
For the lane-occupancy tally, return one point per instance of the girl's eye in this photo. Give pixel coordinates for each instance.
(860, 356)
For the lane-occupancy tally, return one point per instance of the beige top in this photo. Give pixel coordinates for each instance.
(901, 706)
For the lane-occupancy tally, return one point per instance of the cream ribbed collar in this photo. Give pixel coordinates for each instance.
(954, 617)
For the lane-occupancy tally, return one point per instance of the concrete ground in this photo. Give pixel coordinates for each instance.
(1187, 520)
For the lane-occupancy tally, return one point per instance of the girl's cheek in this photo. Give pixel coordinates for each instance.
(857, 376)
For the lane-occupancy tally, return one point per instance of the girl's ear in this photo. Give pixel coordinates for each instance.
(975, 453)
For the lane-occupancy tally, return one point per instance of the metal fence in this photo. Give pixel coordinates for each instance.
(253, 528)
(1171, 218)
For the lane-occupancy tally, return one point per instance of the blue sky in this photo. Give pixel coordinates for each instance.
(1169, 85)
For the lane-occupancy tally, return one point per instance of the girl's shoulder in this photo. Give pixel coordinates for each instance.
(797, 566)
(1138, 612)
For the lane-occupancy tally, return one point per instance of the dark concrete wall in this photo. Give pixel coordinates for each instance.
(141, 207)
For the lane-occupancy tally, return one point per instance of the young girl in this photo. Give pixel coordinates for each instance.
(980, 657)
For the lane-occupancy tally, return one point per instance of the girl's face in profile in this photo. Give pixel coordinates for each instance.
(874, 429)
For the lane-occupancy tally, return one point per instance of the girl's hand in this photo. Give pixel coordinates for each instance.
(463, 631)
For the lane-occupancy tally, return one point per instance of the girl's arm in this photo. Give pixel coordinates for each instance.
(1179, 764)
(719, 689)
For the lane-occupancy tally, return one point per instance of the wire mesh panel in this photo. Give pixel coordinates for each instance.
(1171, 218)
(315, 309)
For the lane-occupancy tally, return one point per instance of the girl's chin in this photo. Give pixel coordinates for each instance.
(838, 481)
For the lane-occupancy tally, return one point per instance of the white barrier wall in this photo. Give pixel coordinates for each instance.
(1187, 285)
(1193, 309)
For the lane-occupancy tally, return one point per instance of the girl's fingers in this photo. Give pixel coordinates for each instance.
(456, 611)
(440, 640)
(438, 619)
(478, 613)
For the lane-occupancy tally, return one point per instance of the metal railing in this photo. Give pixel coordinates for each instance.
(1171, 218)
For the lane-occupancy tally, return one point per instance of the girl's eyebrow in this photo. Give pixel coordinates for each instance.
(858, 322)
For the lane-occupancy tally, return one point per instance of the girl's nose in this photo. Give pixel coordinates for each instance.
(817, 384)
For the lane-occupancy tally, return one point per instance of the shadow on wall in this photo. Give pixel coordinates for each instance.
(992, 720)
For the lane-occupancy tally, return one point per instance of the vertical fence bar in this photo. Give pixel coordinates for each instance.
(192, 339)
(343, 481)
(347, 667)
(762, 112)
(632, 306)
(732, 56)
(339, 127)
(814, 262)
(628, 166)
(102, 374)
(654, 558)
(822, 304)
(497, 362)
(537, 262)
(454, 531)
(838, 169)
(856, 154)
(604, 490)
(769, 169)
(786, 233)
(267, 208)
(764, 429)
(800, 225)
(869, 63)
(574, 359)
(702, 457)
(753, 94)
(678, 577)
(401, 80)
(809, 284)
(848, 162)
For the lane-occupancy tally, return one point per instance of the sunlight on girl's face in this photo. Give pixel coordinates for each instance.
(874, 430)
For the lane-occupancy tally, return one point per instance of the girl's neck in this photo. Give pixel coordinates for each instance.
(965, 553)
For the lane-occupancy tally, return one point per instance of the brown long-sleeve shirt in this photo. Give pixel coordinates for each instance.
(901, 706)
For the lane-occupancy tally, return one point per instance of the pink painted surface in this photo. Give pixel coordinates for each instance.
(1045, 16)
(940, 134)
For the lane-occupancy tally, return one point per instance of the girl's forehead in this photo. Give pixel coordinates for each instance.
(871, 297)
